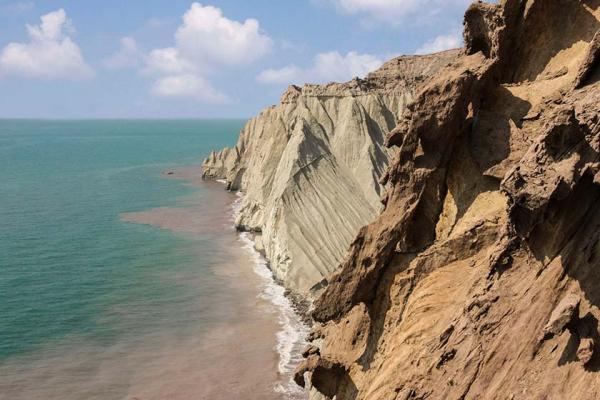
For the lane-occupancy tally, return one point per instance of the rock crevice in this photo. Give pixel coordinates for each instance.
(480, 279)
(310, 167)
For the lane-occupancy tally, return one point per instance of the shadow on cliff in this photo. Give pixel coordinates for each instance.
(334, 382)
(500, 116)
(589, 325)
(485, 143)
(571, 233)
(550, 27)
(380, 308)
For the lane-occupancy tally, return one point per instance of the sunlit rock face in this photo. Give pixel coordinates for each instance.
(310, 167)
(480, 279)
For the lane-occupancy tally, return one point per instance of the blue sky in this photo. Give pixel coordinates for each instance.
(219, 58)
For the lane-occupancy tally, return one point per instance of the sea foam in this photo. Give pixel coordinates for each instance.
(291, 337)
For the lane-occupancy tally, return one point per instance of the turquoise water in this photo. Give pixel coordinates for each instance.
(64, 255)
(93, 307)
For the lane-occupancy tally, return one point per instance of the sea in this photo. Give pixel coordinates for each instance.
(121, 274)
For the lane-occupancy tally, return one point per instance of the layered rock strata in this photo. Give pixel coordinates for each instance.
(309, 167)
(481, 277)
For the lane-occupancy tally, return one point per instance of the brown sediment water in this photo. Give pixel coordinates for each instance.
(238, 337)
(253, 354)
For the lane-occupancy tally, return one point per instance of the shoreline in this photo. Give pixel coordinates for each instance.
(291, 338)
(294, 317)
(300, 304)
(291, 311)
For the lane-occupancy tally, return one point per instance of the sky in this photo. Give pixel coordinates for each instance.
(209, 59)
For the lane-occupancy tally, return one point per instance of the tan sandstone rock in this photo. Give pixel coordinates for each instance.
(490, 234)
(563, 314)
(310, 167)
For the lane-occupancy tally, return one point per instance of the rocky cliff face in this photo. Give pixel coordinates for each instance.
(310, 167)
(481, 277)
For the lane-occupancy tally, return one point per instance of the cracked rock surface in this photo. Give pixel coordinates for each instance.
(480, 279)
(309, 167)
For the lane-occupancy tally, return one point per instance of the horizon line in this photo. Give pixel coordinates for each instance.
(122, 118)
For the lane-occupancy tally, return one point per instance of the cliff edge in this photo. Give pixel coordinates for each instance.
(481, 277)
(309, 167)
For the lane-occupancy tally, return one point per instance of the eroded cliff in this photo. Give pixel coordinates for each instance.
(309, 167)
(481, 277)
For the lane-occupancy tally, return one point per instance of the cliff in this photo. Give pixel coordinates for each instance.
(481, 277)
(309, 167)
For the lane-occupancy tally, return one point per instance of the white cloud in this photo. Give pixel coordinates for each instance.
(440, 43)
(190, 86)
(205, 43)
(326, 67)
(50, 54)
(209, 39)
(395, 12)
(128, 55)
(167, 61)
(155, 22)
(289, 74)
(18, 7)
(334, 66)
(379, 8)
